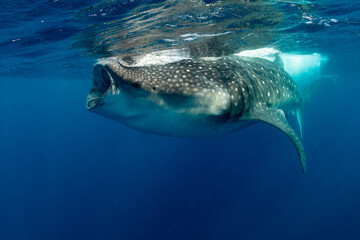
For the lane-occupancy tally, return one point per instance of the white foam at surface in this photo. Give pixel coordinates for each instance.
(303, 68)
(297, 64)
(266, 53)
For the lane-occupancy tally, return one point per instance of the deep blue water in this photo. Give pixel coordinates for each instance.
(66, 173)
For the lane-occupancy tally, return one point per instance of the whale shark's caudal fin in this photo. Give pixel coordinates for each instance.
(276, 118)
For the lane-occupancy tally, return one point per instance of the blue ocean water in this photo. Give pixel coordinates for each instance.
(66, 173)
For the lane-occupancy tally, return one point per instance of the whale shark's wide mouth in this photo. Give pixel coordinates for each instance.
(101, 84)
(107, 80)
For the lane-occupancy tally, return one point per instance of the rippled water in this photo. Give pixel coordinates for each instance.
(60, 32)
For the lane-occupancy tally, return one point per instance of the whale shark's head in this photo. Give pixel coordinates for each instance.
(172, 99)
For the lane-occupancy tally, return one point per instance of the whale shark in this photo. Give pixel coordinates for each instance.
(197, 97)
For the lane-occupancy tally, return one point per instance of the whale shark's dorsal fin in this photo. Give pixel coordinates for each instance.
(276, 118)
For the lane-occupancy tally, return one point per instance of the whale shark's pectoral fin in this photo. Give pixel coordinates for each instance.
(276, 118)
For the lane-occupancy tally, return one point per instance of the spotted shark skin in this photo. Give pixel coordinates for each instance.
(196, 97)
